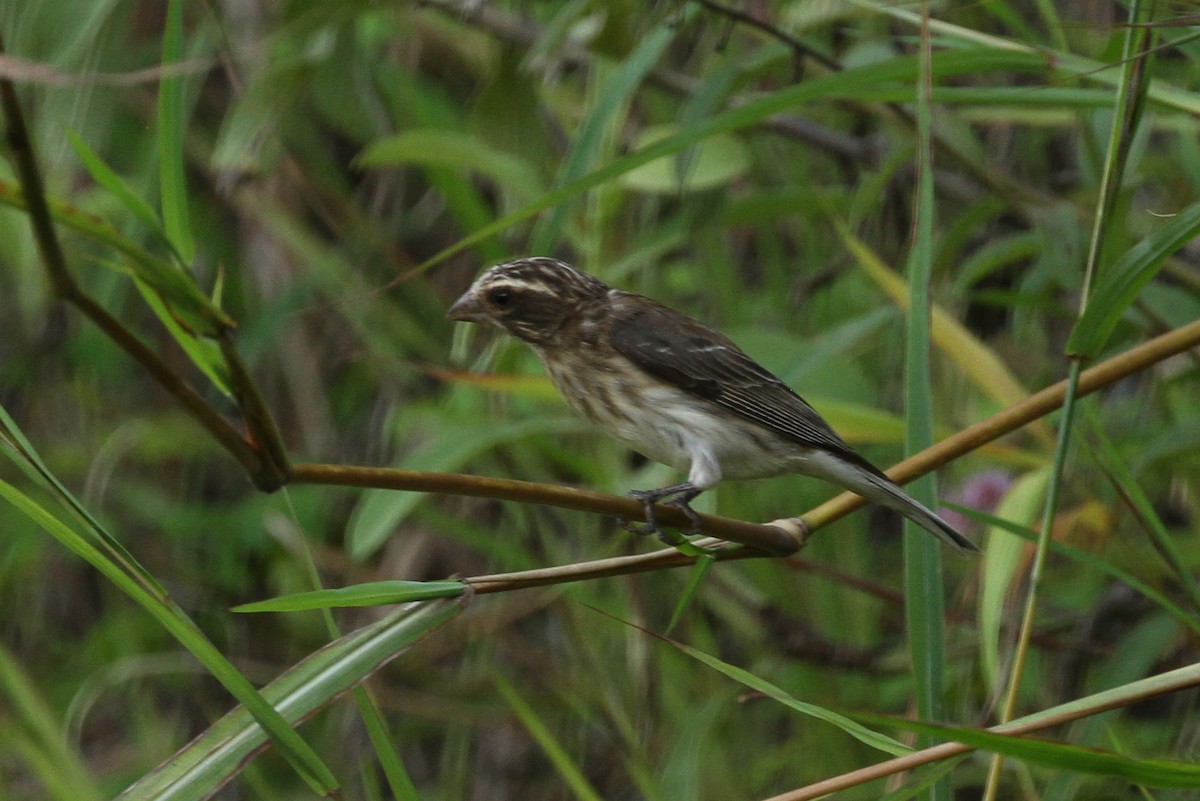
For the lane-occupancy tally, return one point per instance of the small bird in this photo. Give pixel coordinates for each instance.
(672, 388)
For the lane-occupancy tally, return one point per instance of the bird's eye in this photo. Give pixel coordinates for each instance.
(500, 297)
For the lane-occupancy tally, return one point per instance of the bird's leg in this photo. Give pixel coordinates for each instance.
(683, 493)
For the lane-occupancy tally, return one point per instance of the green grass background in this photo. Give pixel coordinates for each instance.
(286, 163)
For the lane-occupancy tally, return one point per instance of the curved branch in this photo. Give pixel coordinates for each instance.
(779, 538)
(1014, 417)
(41, 219)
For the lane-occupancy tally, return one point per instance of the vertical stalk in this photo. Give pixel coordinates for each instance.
(1126, 108)
(924, 606)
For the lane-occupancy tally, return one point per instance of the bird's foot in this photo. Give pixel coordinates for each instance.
(681, 495)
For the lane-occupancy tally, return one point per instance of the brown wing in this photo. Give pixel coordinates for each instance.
(688, 354)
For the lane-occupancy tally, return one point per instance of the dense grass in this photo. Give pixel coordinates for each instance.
(259, 217)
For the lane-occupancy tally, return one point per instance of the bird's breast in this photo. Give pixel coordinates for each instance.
(661, 421)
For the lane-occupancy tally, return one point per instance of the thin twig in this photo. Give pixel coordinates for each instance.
(64, 286)
(199, 409)
(21, 146)
(21, 70)
(776, 539)
(274, 468)
(1032, 408)
(797, 46)
(779, 538)
(1170, 682)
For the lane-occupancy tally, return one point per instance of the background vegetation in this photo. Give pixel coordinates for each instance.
(332, 175)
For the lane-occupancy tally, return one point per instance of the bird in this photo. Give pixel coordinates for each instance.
(672, 388)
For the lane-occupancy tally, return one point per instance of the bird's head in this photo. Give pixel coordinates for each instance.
(532, 298)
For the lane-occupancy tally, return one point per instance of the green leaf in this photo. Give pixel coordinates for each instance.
(1125, 280)
(190, 307)
(95, 545)
(375, 593)
(610, 98)
(1060, 756)
(197, 770)
(204, 352)
(1091, 560)
(171, 124)
(1123, 480)
(924, 603)
(699, 572)
(103, 175)
(1002, 557)
(38, 734)
(464, 200)
(716, 161)
(847, 83)
(456, 151)
(864, 735)
(571, 772)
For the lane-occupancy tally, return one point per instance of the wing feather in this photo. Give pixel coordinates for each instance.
(688, 354)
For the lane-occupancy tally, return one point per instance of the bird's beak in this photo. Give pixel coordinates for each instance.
(467, 309)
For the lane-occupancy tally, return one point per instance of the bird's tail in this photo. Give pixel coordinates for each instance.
(887, 493)
(856, 474)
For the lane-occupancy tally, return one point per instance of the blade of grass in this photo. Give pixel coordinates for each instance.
(171, 125)
(842, 721)
(1172, 681)
(457, 151)
(399, 781)
(203, 351)
(306, 763)
(1060, 756)
(695, 580)
(1062, 62)
(844, 84)
(196, 771)
(1002, 557)
(610, 98)
(977, 361)
(178, 289)
(60, 767)
(1134, 83)
(1091, 560)
(924, 606)
(103, 175)
(1126, 279)
(101, 550)
(375, 593)
(1126, 105)
(570, 771)
(463, 198)
(1122, 479)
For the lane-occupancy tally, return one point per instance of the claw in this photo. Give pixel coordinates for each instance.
(683, 493)
(693, 517)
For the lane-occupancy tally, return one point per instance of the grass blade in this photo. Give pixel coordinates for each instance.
(171, 125)
(1125, 280)
(101, 550)
(924, 605)
(864, 735)
(209, 761)
(571, 772)
(585, 150)
(375, 593)
(1060, 756)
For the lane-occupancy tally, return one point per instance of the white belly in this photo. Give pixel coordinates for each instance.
(675, 428)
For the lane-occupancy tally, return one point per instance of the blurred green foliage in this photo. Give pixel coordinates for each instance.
(329, 149)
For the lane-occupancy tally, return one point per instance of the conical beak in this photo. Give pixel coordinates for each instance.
(467, 309)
